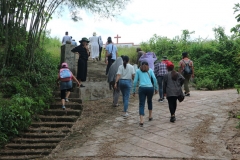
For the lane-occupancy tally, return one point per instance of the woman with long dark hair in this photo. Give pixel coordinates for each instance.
(147, 85)
(125, 75)
(172, 83)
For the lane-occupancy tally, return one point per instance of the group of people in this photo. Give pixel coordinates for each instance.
(68, 40)
(151, 76)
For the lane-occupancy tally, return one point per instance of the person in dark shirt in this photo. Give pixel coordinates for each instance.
(84, 53)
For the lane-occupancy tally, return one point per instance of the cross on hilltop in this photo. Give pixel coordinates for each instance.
(117, 38)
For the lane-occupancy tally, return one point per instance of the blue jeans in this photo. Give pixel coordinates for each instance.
(125, 87)
(160, 85)
(144, 92)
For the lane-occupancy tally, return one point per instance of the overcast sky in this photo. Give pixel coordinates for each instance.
(141, 19)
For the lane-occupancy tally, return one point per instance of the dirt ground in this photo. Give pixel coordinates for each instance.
(93, 116)
(94, 113)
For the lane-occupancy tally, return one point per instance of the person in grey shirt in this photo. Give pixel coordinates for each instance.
(172, 88)
(66, 39)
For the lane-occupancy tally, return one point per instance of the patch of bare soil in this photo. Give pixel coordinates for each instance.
(199, 134)
(94, 113)
(230, 134)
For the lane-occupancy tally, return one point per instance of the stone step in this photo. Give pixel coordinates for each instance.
(52, 124)
(76, 100)
(68, 105)
(16, 152)
(24, 157)
(74, 94)
(48, 130)
(36, 140)
(61, 112)
(32, 146)
(57, 118)
(43, 135)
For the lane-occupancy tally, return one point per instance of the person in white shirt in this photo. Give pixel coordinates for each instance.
(66, 39)
(125, 75)
(94, 46)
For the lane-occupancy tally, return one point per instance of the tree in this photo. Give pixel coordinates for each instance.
(236, 29)
(23, 23)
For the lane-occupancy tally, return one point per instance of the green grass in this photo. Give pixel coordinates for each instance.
(130, 52)
(53, 46)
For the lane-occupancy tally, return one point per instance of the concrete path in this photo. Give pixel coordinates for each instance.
(195, 134)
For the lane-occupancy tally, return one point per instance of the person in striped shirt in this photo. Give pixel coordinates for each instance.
(160, 69)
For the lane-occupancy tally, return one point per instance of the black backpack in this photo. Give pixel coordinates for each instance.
(187, 69)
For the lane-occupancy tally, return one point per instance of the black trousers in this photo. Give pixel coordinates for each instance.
(172, 103)
(110, 62)
(100, 53)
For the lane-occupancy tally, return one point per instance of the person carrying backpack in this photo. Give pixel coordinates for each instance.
(187, 70)
(64, 79)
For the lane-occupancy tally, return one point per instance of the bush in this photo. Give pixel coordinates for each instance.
(216, 61)
(26, 91)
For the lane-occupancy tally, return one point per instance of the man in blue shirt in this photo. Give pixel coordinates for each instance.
(74, 43)
(111, 54)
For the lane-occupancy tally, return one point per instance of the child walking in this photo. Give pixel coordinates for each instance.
(65, 78)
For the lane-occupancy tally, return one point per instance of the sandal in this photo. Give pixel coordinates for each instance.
(141, 124)
(150, 119)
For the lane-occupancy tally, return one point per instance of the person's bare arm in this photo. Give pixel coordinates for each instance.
(117, 79)
(75, 79)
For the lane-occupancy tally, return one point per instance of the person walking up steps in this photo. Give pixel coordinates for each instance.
(112, 74)
(94, 46)
(125, 75)
(147, 85)
(172, 88)
(160, 69)
(149, 57)
(187, 70)
(111, 54)
(64, 79)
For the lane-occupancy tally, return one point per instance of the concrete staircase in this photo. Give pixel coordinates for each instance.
(45, 133)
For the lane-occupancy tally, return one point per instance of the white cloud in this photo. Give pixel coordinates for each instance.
(141, 19)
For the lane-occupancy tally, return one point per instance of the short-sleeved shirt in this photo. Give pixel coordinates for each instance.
(74, 43)
(111, 48)
(182, 63)
(126, 73)
(65, 39)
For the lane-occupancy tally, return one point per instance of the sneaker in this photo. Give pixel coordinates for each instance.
(125, 115)
(115, 105)
(82, 85)
(66, 100)
(160, 100)
(188, 94)
(63, 107)
(172, 119)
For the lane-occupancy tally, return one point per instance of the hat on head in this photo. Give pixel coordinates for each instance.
(170, 65)
(94, 33)
(164, 58)
(84, 39)
(64, 64)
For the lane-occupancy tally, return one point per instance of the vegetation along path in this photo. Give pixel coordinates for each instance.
(204, 129)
